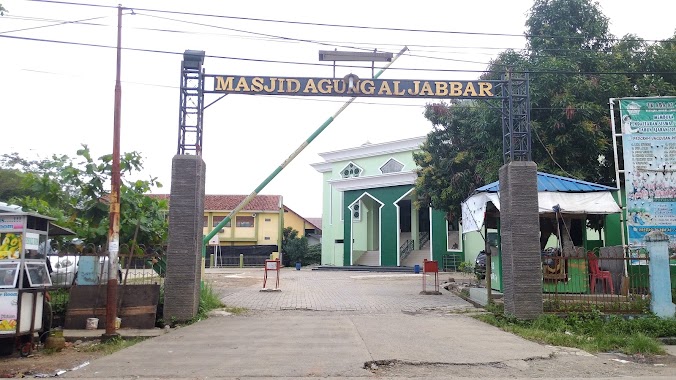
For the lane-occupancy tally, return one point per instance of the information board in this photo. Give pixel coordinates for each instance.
(649, 147)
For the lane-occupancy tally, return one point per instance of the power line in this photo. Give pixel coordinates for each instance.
(306, 40)
(57, 24)
(278, 39)
(271, 37)
(342, 66)
(361, 27)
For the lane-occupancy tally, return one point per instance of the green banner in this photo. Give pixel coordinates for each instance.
(648, 115)
(649, 147)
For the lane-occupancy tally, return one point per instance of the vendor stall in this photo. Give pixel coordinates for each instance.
(24, 277)
(564, 204)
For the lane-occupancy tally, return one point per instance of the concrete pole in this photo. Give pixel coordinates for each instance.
(657, 243)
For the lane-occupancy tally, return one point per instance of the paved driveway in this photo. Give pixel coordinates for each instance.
(357, 292)
(346, 325)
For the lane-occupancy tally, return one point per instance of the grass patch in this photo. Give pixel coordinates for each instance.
(235, 310)
(589, 331)
(209, 300)
(112, 345)
(59, 300)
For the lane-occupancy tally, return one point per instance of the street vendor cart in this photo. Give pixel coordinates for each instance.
(24, 278)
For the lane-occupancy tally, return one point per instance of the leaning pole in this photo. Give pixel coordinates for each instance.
(293, 155)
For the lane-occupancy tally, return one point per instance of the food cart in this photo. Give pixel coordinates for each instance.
(24, 278)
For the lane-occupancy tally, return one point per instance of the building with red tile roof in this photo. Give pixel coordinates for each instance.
(255, 231)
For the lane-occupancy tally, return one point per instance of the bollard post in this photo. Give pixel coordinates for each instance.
(241, 260)
(657, 243)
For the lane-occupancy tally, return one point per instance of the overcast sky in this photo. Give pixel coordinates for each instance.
(55, 97)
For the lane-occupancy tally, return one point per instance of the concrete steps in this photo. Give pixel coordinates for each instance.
(364, 268)
(416, 257)
(369, 258)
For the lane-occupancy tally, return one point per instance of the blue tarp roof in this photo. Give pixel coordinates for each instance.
(551, 182)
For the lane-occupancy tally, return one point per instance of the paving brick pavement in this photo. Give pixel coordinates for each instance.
(356, 292)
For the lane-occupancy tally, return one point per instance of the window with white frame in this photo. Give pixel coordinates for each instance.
(355, 209)
(391, 166)
(351, 171)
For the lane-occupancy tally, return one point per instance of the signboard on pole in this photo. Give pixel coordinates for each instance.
(649, 147)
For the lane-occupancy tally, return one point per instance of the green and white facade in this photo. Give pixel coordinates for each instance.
(369, 214)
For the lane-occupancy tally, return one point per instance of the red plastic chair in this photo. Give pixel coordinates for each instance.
(596, 274)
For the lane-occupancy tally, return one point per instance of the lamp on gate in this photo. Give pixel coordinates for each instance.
(366, 56)
(354, 56)
(350, 80)
(193, 59)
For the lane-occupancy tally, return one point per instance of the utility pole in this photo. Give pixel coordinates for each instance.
(114, 229)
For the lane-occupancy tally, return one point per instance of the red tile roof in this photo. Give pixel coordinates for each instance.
(229, 202)
(317, 222)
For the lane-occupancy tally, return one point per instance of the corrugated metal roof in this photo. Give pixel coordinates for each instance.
(551, 182)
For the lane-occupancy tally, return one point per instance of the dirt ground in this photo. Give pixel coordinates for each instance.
(48, 362)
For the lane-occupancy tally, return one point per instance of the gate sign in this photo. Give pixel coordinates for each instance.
(353, 86)
(649, 144)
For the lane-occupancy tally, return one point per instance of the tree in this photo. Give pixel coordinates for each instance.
(72, 190)
(575, 66)
(10, 183)
(570, 121)
(562, 27)
(458, 156)
(294, 248)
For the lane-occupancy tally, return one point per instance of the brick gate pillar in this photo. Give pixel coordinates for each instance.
(519, 233)
(184, 254)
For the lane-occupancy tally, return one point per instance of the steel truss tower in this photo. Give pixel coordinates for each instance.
(191, 107)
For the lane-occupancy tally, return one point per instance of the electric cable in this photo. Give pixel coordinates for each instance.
(73, 43)
(305, 40)
(362, 27)
(57, 24)
(283, 39)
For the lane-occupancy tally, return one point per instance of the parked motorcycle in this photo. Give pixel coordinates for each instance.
(480, 265)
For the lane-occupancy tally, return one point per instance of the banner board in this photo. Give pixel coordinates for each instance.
(404, 88)
(649, 147)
